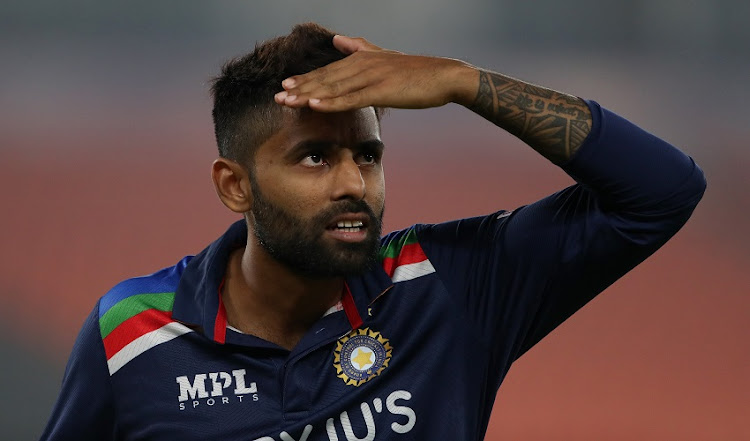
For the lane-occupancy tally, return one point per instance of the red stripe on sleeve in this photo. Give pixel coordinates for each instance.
(134, 327)
(411, 253)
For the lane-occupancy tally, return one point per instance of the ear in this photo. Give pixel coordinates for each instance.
(232, 185)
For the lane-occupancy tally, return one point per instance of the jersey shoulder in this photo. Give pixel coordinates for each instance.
(136, 314)
(402, 256)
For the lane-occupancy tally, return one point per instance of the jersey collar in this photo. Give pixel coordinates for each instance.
(197, 299)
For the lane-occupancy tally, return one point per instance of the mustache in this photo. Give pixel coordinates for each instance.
(344, 207)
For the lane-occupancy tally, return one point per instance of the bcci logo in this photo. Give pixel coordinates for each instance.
(361, 356)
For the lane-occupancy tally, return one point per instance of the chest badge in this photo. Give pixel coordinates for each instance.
(361, 356)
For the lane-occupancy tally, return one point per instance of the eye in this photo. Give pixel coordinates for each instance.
(313, 160)
(366, 158)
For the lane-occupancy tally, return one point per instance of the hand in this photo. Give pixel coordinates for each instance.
(372, 76)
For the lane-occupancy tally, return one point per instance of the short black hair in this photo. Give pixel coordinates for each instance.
(244, 113)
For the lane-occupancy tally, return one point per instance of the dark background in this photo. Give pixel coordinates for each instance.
(106, 142)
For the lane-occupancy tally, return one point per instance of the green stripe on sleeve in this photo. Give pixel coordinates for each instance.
(393, 248)
(134, 305)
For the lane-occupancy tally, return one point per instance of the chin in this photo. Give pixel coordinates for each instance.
(341, 264)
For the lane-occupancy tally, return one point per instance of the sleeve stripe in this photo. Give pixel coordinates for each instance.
(392, 249)
(404, 259)
(132, 306)
(145, 342)
(412, 271)
(165, 280)
(409, 254)
(133, 328)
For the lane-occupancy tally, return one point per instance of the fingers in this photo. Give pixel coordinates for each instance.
(337, 86)
(333, 87)
(335, 80)
(351, 101)
(336, 104)
(346, 45)
(329, 73)
(349, 45)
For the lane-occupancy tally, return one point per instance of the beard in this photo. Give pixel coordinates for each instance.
(300, 245)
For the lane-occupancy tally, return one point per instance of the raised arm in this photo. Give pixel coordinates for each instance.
(521, 274)
(552, 123)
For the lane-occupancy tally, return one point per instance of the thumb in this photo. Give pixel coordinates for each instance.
(349, 45)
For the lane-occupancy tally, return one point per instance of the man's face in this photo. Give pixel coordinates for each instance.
(319, 192)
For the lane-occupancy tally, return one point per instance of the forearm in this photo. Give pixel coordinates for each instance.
(625, 165)
(552, 123)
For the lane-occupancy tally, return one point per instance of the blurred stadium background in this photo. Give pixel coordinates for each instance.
(106, 141)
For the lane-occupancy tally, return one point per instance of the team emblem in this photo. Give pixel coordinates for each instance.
(361, 356)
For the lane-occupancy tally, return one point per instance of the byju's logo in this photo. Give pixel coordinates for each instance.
(223, 388)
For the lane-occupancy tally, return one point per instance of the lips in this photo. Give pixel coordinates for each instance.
(350, 222)
(349, 227)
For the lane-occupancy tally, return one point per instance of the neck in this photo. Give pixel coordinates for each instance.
(267, 299)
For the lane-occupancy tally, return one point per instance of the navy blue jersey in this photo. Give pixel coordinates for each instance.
(420, 344)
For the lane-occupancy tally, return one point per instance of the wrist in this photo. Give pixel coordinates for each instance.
(463, 83)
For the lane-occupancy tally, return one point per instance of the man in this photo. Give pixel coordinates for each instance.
(301, 323)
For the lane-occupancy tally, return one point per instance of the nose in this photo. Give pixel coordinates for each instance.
(348, 182)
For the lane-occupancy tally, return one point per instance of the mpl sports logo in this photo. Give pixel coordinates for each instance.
(215, 388)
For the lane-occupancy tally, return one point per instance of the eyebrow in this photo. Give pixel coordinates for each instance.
(325, 145)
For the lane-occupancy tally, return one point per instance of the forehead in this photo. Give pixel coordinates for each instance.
(342, 128)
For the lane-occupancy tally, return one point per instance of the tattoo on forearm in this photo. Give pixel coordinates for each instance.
(552, 123)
